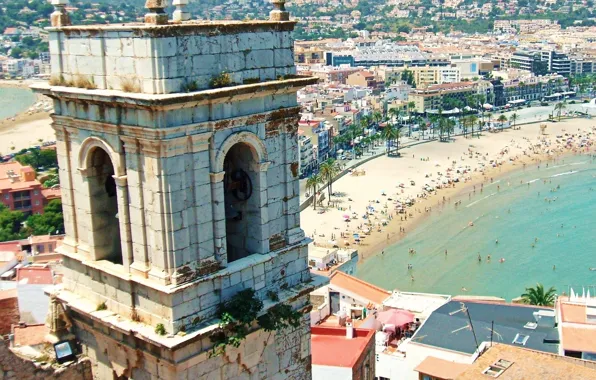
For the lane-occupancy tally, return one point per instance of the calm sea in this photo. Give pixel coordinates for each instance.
(14, 101)
(550, 221)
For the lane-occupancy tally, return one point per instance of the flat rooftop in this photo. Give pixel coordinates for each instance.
(421, 304)
(448, 329)
(330, 347)
(529, 364)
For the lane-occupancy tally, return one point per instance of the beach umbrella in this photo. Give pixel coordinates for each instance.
(395, 317)
(346, 216)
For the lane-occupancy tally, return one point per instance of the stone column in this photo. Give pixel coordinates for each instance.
(60, 16)
(157, 14)
(180, 14)
(279, 13)
(219, 217)
(138, 224)
(263, 228)
(153, 199)
(64, 154)
(124, 220)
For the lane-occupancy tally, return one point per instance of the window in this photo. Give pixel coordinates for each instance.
(7, 196)
(40, 248)
(35, 192)
(521, 339)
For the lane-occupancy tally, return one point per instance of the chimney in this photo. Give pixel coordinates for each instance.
(349, 330)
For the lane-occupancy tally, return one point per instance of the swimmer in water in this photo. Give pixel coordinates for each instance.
(497, 241)
(536, 240)
(554, 267)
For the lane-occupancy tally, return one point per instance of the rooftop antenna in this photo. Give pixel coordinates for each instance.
(464, 309)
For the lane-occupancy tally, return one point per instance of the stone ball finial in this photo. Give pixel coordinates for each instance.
(59, 17)
(157, 14)
(279, 12)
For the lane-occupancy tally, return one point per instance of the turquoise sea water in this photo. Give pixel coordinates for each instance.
(516, 215)
(14, 101)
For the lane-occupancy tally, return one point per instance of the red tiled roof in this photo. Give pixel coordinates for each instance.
(8, 293)
(30, 335)
(330, 347)
(361, 288)
(34, 275)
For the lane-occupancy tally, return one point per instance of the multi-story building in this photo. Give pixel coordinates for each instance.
(435, 97)
(21, 191)
(306, 156)
(556, 62)
(364, 79)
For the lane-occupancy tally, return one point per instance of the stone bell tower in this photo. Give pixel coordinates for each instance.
(178, 154)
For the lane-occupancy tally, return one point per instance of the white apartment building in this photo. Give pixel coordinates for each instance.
(306, 158)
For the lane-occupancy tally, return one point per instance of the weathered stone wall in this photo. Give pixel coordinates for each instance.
(166, 59)
(13, 367)
(194, 303)
(9, 314)
(283, 354)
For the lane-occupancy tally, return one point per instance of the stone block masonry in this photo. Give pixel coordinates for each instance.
(170, 59)
(13, 367)
(178, 195)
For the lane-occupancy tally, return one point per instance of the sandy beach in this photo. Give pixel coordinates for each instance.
(478, 159)
(27, 128)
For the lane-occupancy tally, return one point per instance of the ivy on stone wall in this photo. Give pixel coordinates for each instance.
(238, 315)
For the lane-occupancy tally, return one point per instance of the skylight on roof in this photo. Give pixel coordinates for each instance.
(531, 325)
(521, 339)
(497, 368)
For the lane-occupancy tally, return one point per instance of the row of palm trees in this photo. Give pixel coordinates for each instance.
(328, 170)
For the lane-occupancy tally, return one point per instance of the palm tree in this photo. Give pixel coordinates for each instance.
(411, 107)
(473, 120)
(559, 107)
(502, 119)
(537, 296)
(394, 113)
(388, 134)
(377, 117)
(326, 172)
(313, 183)
(514, 119)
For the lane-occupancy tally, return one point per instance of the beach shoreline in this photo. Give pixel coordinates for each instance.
(26, 128)
(391, 233)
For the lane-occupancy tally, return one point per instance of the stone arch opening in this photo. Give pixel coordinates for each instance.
(242, 200)
(105, 227)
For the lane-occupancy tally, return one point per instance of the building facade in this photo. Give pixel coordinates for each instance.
(21, 191)
(177, 198)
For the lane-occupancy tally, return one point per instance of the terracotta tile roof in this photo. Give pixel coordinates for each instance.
(530, 365)
(358, 287)
(573, 313)
(330, 347)
(439, 368)
(581, 339)
(8, 293)
(51, 193)
(35, 275)
(30, 335)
